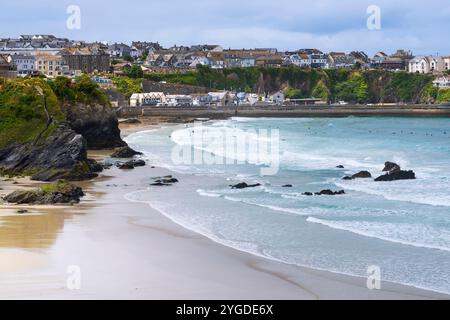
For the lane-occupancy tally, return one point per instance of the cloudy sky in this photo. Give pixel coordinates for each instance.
(338, 25)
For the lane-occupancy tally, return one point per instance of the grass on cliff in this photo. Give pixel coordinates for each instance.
(81, 91)
(362, 86)
(22, 113)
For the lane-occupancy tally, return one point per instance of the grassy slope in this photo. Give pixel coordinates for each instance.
(22, 114)
(371, 86)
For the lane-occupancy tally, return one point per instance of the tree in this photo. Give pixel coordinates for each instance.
(321, 91)
(443, 96)
(292, 93)
(354, 90)
(134, 72)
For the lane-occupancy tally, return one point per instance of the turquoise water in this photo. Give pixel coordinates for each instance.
(403, 226)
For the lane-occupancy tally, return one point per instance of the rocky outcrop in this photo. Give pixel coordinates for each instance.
(52, 194)
(391, 166)
(125, 152)
(130, 121)
(326, 192)
(359, 175)
(164, 181)
(397, 175)
(395, 172)
(131, 164)
(329, 192)
(98, 125)
(244, 185)
(61, 155)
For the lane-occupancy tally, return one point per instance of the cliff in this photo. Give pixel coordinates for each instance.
(97, 124)
(47, 127)
(357, 86)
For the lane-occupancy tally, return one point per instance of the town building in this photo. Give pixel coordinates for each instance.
(442, 82)
(48, 64)
(179, 100)
(148, 99)
(7, 67)
(25, 64)
(277, 98)
(428, 64)
(87, 60)
(119, 50)
(340, 60)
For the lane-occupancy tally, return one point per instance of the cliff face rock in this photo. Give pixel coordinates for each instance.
(98, 125)
(61, 155)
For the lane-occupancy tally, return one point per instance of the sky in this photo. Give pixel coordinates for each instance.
(338, 25)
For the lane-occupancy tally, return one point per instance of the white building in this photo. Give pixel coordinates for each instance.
(148, 99)
(179, 100)
(277, 98)
(219, 98)
(442, 82)
(428, 64)
(201, 99)
(25, 64)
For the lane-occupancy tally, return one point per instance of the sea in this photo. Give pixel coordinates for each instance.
(401, 228)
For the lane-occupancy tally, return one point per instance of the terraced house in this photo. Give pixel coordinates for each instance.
(25, 64)
(48, 64)
(87, 60)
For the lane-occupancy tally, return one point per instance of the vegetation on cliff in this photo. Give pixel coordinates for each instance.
(23, 116)
(359, 86)
(128, 86)
(43, 125)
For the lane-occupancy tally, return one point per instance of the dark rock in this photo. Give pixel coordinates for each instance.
(359, 175)
(244, 185)
(287, 186)
(61, 155)
(125, 152)
(391, 166)
(125, 166)
(130, 121)
(131, 164)
(307, 193)
(159, 184)
(397, 175)
(169, 181)
(58, 193)
(22, 211)
(137, 163)
(106, 166)
(340, 166)
(329, 192)
(98, 125)
(94, 165)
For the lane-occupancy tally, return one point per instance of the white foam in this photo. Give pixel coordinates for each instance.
(425, 237)
(208, 194)
(433, 192)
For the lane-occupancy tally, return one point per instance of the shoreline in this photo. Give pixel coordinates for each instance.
(129, 250)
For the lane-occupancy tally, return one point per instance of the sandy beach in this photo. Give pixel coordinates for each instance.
(127, 250)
